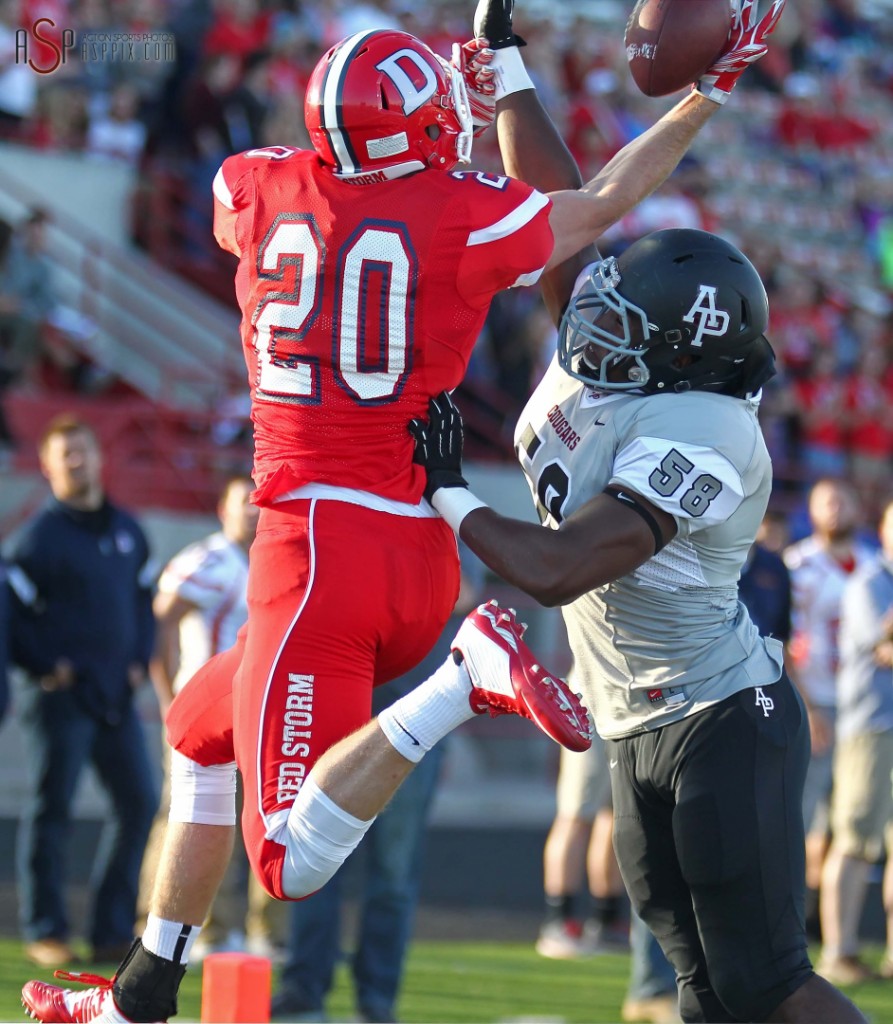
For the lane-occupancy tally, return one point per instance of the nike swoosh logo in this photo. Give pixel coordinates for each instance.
(402, 728)
(599, 423)
(612, 764)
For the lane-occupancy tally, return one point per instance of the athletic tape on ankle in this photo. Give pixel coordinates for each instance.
(509, 73)
(454, 504)
(202, 794)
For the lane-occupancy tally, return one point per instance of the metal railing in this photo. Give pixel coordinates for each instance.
(165, 338)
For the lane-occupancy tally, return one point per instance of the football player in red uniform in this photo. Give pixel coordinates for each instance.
(366, 268)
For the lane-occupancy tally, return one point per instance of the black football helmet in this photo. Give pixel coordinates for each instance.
(689, 312)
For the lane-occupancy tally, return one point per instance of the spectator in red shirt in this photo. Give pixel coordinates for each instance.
(813, 116)
(870, 415)
(239, 28)
(821, 403)
(803, 320)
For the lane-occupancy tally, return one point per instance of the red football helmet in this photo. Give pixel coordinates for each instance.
(382, 102)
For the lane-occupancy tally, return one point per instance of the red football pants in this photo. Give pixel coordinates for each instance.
(340, 599)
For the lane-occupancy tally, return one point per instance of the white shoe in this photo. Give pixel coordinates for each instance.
(562, 940)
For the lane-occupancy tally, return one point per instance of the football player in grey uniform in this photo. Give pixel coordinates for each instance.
(648, 468)
(649, 471)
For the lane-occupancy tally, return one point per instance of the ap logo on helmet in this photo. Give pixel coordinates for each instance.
(704, 313)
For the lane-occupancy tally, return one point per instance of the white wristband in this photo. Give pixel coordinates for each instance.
(454, 504)
(510, 75)
(706, 87)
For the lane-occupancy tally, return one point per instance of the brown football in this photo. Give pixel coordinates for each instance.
(671, 43)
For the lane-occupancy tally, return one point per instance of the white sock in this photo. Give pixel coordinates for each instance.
(414, 723)
(171, 940)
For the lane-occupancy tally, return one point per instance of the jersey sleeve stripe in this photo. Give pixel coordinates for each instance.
(512, 222)
(528, 279)
(221, 190)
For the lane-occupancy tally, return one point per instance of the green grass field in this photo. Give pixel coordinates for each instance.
(463, 982)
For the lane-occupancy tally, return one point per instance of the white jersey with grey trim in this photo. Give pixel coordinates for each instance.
(212, 575)
(670, 638)
(817, 581)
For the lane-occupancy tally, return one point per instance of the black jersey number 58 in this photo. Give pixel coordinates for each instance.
(676, 471)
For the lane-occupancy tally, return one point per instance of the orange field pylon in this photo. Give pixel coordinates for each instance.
(236, 989)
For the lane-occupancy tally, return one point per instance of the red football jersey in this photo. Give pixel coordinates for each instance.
(359, 303)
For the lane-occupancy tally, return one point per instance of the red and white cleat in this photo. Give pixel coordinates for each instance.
(53, 1004)
(507, 680)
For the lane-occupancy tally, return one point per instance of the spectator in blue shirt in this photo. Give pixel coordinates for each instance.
(4, 642)
(765, 585)
(27, 293)
(82, 632)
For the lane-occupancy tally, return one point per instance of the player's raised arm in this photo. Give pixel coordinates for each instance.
(580, 217)
(531, 146)
(532, 149)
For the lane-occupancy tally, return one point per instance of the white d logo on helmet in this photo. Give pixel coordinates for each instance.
(709, 319)
(413, 97)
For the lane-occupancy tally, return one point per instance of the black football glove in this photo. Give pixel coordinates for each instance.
(493, 22)
(438, 444)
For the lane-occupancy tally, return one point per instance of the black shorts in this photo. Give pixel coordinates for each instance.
(708, 830)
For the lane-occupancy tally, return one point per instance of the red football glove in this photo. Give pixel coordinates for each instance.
(746, 44)
(472, 60)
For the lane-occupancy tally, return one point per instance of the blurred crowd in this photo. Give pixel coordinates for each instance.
(798, 171)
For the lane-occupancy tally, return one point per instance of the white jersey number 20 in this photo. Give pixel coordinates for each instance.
(283, 318)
